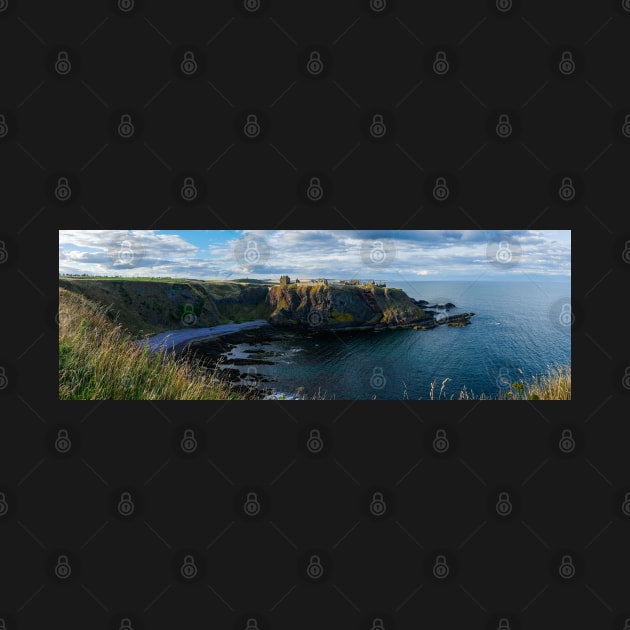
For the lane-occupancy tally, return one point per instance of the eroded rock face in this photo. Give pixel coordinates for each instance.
(330, 307)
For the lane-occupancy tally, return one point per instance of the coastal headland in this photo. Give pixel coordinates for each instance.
(177, 312)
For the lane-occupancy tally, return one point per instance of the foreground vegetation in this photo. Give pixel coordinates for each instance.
(554, 384)
(99, 361)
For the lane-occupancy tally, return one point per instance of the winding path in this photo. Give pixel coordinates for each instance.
(177, 340)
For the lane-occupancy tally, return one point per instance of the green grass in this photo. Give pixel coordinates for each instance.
(99, 361)
(148, 306)
(554, 384)
(138, 278)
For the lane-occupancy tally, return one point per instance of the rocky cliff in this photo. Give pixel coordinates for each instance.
(150, 306)
(331, 307)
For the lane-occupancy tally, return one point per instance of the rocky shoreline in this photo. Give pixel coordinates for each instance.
(298, 311)
(210, 352)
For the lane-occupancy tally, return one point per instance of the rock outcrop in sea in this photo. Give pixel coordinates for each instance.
(361, 307)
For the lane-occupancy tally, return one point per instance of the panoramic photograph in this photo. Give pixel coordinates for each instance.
(315, 315)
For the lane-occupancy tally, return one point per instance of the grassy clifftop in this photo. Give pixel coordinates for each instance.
(151, 306)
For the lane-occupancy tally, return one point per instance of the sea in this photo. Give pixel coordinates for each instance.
(519, 330)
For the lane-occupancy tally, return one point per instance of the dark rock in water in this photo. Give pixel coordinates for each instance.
(231, 374)
(439, 319)
(249, 361)
(447, 306)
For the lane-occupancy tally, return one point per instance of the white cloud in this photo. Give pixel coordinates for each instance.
(439, 254)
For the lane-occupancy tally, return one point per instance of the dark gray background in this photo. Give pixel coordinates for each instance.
(373, 63)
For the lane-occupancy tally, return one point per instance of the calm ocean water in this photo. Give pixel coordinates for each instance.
(518, 326)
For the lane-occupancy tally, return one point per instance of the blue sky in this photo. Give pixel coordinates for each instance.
(366, 254)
